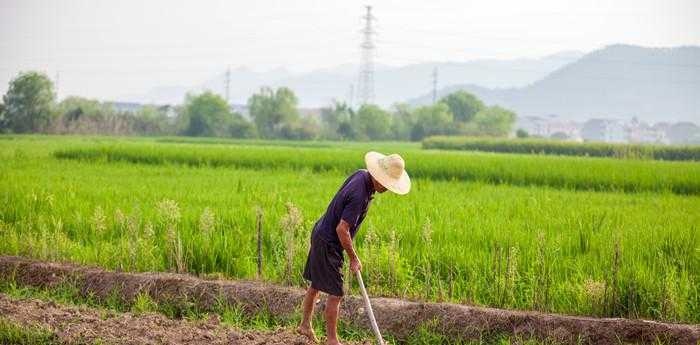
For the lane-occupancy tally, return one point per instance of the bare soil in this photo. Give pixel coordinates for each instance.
(396, 317)
(80, 325)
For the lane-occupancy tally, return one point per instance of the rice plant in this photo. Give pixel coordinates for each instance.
(565, 148)
(580, 173)
(555, 247)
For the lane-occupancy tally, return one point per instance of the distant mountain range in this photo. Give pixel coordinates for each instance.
(392, 84)
(618, 81)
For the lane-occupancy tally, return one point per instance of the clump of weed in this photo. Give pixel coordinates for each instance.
(143, 303)
(207, 221)
(291, 224)
(99, 220)
(169, 214)
(594, 291)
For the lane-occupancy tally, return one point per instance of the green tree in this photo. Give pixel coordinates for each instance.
(305, 128)
(346, 131)
(494, 121)
(74, 108)
(336, 120)
(432, 120)
(463, 105)
(372, 122)
(2, 118)
(241, 128)
(29, 103)
(521, 133)
(207, 114)
(152, 120)
(272, 110)
(403, 120)
(88, 116)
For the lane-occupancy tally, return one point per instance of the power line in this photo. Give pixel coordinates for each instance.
(366, 87)
(435, 84)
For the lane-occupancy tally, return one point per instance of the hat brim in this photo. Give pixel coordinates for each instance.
(401, 185)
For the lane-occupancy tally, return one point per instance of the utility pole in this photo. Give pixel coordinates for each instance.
(435, 83)
(366, 87)
(352, 95)
(57, 79)
(228, 84)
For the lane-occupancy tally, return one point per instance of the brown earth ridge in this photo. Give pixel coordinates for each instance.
(394, 316)
(83, 325)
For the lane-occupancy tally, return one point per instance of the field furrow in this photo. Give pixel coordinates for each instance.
(397, 318)
(61, 324)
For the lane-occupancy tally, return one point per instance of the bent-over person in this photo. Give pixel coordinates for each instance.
(334, 231)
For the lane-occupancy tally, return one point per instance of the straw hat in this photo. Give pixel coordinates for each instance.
(389, 171)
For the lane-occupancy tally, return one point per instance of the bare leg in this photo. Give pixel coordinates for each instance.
(305, 327)
(332, 309)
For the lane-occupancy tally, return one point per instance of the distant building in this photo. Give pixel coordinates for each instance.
(132, 108)
(564, 130)
(549, 127)
(683, 133)
(533, 125)
(661, 126)
(639, 132)
(609, 131)
(126, 107)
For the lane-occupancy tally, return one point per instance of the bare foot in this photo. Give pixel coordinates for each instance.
(308, 332)
(332, 342)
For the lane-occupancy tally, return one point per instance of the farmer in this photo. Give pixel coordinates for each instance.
(335, 230)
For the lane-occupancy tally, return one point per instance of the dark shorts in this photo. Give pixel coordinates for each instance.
(324, 267)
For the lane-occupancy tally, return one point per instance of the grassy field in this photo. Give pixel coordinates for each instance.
(565, 148)
(573, 235)
(559, 172)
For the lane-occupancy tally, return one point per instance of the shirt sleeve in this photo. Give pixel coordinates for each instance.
(354, 206)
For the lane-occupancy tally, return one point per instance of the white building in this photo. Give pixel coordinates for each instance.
(642, 133)
(605, 130)
(548, 127)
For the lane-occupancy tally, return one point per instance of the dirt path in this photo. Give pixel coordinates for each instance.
(395, 317)
(85, 325)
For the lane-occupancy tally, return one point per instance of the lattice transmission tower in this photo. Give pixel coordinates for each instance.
(365, 89)
(227, 85)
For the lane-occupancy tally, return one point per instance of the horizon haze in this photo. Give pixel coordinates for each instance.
(106, 49)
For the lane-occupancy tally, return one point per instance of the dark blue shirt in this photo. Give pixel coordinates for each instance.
(350, 204)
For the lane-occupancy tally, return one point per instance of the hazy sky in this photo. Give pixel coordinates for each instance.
(109, 48)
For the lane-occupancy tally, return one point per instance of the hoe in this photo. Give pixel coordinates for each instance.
(370, 313)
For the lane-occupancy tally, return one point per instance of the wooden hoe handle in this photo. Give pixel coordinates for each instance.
(368, 307)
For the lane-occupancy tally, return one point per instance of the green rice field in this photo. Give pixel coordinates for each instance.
(575, 235)
(565, 148)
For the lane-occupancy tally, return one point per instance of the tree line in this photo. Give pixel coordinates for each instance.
(30, 106)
